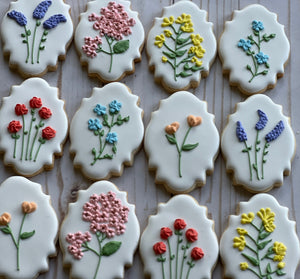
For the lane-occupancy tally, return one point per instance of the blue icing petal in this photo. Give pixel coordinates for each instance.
(100, 110)
(246, 45)
(41, 9)
(53, 21)
(115, 106)
(276, 132)
(111, 137)
(240, 132)
(94, 124)
(257, 25)
(261, 58)
(18, 17)
(263, 119)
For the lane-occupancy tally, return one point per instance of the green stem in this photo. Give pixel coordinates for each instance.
(12, 236)
(249, 160)
(33, 40)
(162, 267)
(186, 44)
(99, 260)
(29, 133)
(102, 50)
(251, 238)
(255, 273)
(15, 145)
(182, 262)
(189, 270)
(34, 139)
(255, 66)
(254, 226)
(40, 45)
(111, 51)
(174, 29)
(170, 258)
(250, 248)
(171, 64)
(263, 160)
(23, 137)
(18, 243)
(37, 152)
(169, 48)
(177, 248)
(256, 165)
(27, 43)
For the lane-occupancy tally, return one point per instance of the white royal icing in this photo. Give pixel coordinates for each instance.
(33, 251)
(164, 71)
(22, 94)
(163, 156)
(235, 59)
(187, 208)
(129, 134)
(123, 63)
(284, 232)
(280, 152)
(54, 45)
(111, 266)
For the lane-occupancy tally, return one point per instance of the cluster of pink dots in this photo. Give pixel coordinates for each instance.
(76, 240)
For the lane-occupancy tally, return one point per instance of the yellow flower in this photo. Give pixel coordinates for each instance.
(196, 39)
(244, 266)
(247, 218)
(196, 61)
(192, 49)
(199, 51)
(239, 242)
(164, 59)
(187, 27)
(159, 40)
(241, 231)
(280, 250)
(167, 21)
(278, 258)
(281, 265)
(184, 18)
(267, 216)
(168, 33)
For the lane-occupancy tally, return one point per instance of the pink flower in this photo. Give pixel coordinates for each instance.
(77, 240)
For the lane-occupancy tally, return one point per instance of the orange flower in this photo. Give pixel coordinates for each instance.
(28, 207)
(5, 219)
(194, 120)
(172, 128)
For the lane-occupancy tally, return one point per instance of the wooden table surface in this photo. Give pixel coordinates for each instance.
(220, 197)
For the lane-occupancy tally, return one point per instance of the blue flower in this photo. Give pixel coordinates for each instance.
(261, 58)
(100, 110)
(41, 9)
(246, 45)
(111, 137)
(257, 25)
(94, 124)
(114, 106)
(18, 17)
(53, 21)
(240, 132)
(263, 119)
(276, 132)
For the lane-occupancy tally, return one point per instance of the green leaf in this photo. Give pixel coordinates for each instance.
(190, 55)
(26, 235)
(42, 141)
(269, 276)
(163, 259)
(267, 65)
(171, 139)
(121, 46)
(258, 141)
(186, 66)
(280, 272)
(181, 41)
(28, 32)
(17, 136)
(107, 156)
(38, 23)
(251, 259)
(272, 36)
(94, 151)
(23, 35)
(264, 72)
(24, 41)
(263, 235)
(119, 117)
(250, 37)
(270, 250)
(180, 53)
(269, 269)
(110, 248)
(188, 147)
(126, 119)
(266, 38)
(119, 122)
(248, 67)
(248, 52)
(262, 245)
(114, 149)
(169, 54)
(256, 33)
(254, 166)
(96, 133)
(245, 150)
(25, 132)
(42, 47)
(102, 133)
(257, 149)
(184, 74)
(45, 32)
(195, 68)
(6, 230)
(43, 40)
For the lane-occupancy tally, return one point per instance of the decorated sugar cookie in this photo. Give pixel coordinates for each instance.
(35, 34)
(28, 229)
(181, 46)
(109, 39)
(106, 131)
(254, 49)
(260, 242)
(181, 142)
(258, 144)
(100, 233)
(179, 242)
(33, 127)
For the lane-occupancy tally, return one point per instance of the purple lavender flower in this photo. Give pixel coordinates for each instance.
(18, 17)
(263, 119)
(240, 132)
(276, 132)
(257, 25)
(246, 45)
(41, 9)
(53, 21)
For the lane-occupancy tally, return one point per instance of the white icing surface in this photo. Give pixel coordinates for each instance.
(35, 250)
(163, 71)
(112, 266)
(56, 42)
(123, 62)
(34, 87)
(285, 232)
(130, 134)
(235, 59)
(182, 207)
(163, 156)
(281, 150)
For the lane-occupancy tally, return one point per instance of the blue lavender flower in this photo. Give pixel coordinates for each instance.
(94, 124)
(53, 21)
(246, 45)
(41, 9)
(111, 137)
(100, 110)
(276, 132)
(240, 132)
(263, 119)
(261, 58)
(18, 17)
(257, 25)
(114, 106)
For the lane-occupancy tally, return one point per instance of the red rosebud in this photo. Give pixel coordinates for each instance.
(21, 109)
(165, 232)
(35, 102)
(179, 224)
(48, 133)
(159, 248)
(197, 253)
(14, 126)
(191, 235)
(45, 113)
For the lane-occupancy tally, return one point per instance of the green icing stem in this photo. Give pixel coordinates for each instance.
(27, 43)
(249, 159)
(23, 137)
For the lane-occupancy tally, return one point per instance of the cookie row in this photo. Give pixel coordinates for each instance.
(181, 45)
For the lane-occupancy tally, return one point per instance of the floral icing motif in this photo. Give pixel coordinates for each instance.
(171, 129)
(6, 219)
(181, 50)
(110, 138)
(259, 58)
(99, 212)
(113, 23)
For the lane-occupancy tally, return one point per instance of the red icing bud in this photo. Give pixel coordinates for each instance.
(191, 235)
(48, 133)
(21, 109)
(45, 113)
(14, 126)
(179, 224)
(159, 248)
(197, 253)
(165, 232)
(35, 102)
